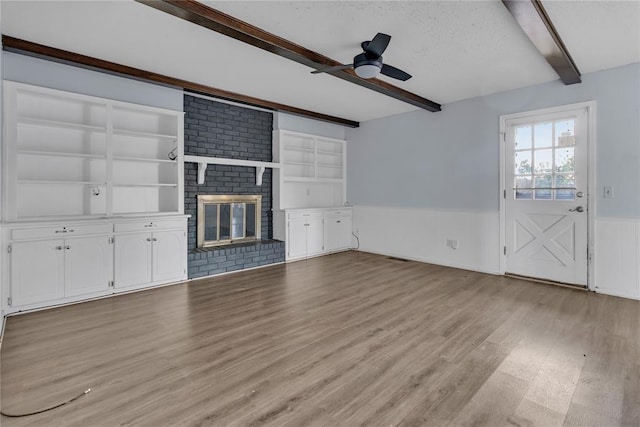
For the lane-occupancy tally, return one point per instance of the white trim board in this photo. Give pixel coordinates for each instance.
(590, 107)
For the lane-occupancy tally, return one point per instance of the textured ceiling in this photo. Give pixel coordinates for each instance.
(454, 49)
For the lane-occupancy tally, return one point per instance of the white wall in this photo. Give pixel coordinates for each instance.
(444, 168)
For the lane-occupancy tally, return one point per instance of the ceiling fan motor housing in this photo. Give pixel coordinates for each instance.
(367, 68)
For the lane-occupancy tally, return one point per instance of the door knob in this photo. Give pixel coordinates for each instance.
(577, 209)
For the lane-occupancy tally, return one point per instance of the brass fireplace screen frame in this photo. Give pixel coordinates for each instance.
(219, 200)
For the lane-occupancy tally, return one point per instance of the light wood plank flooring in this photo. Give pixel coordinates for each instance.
(351, 339)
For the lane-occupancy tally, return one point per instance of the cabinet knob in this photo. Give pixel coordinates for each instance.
(58, 248)
(149, 239)
(338, 221)
(154, 239)
(67, 247)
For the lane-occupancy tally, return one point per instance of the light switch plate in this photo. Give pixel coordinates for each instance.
(608, 192)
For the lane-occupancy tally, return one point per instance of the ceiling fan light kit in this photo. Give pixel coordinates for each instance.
(368, 64)
(366, 68)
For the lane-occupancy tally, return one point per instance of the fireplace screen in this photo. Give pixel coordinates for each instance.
(228, 219)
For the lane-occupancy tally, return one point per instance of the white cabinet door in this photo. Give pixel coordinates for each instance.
(37, 271)
(315, 236)
(88, 265)
(297, 239)
(169, 251)
(332, 233)
(344, 233)
(133, 259)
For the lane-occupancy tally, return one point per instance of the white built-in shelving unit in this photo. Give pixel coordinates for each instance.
(312, 173)
(92, 197)
(309, 194)
(72, 155)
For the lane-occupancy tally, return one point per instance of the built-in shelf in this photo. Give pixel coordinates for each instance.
(59, 182)
(310, 164)
(150, 184)
(139, 134)
(60, 124)
(141, 159)
(203, 161)
(329, 165)
(60, 154)
(331, 153)
(298, 149)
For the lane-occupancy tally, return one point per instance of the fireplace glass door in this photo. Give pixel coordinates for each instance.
(227, 219)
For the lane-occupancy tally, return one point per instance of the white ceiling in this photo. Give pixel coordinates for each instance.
(454, 49)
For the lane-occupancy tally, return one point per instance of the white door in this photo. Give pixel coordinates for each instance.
(169, 251)
(37, 272)
(546, 196)
(132, 260)
(88, 265)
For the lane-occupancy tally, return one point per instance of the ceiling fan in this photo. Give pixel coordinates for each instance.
(368, 64)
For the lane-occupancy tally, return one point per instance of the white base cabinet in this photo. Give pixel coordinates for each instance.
(56, 263)
(313, 232)
(150, 258)
(31, 284)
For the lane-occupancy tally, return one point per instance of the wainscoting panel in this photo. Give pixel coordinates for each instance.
(424, 235)
(462, 239)
(617, 257)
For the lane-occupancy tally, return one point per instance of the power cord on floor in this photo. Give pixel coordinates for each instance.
(357, 239)
(87, 391)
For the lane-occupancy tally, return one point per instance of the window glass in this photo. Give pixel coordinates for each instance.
(225, 222)
(543, 135)
(523, 137)
(211, 222)
(544, 160)
(250, 212)
(237, 221)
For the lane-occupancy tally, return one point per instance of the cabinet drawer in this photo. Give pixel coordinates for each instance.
(152, 225)
(337, 212)
(304, 214)
(60, 231)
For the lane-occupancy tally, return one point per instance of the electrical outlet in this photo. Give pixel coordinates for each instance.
(308, 192)
(608, 192)
(356, 231)
(452, 243)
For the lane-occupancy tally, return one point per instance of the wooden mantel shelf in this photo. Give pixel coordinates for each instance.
(203, 161)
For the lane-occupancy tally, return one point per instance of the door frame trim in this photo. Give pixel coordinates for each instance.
(590, 107)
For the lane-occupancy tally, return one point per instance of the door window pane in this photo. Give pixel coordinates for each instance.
(523, 137)
(543, 135)
(565, 159)
(543, 161)
(523, 162)
(564, 130)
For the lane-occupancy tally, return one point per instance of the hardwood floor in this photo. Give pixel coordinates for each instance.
(351, 339)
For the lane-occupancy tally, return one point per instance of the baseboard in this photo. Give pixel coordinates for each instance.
(430, 261)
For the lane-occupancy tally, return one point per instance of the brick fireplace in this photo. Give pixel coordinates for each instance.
(217, 129)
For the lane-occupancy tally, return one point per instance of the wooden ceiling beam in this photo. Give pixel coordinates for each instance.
(534, 21)
(205, 16)
(34, 49)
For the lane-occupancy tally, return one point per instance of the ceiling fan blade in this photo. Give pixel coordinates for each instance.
(394, 72)
(377, 46)
(334, 68)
